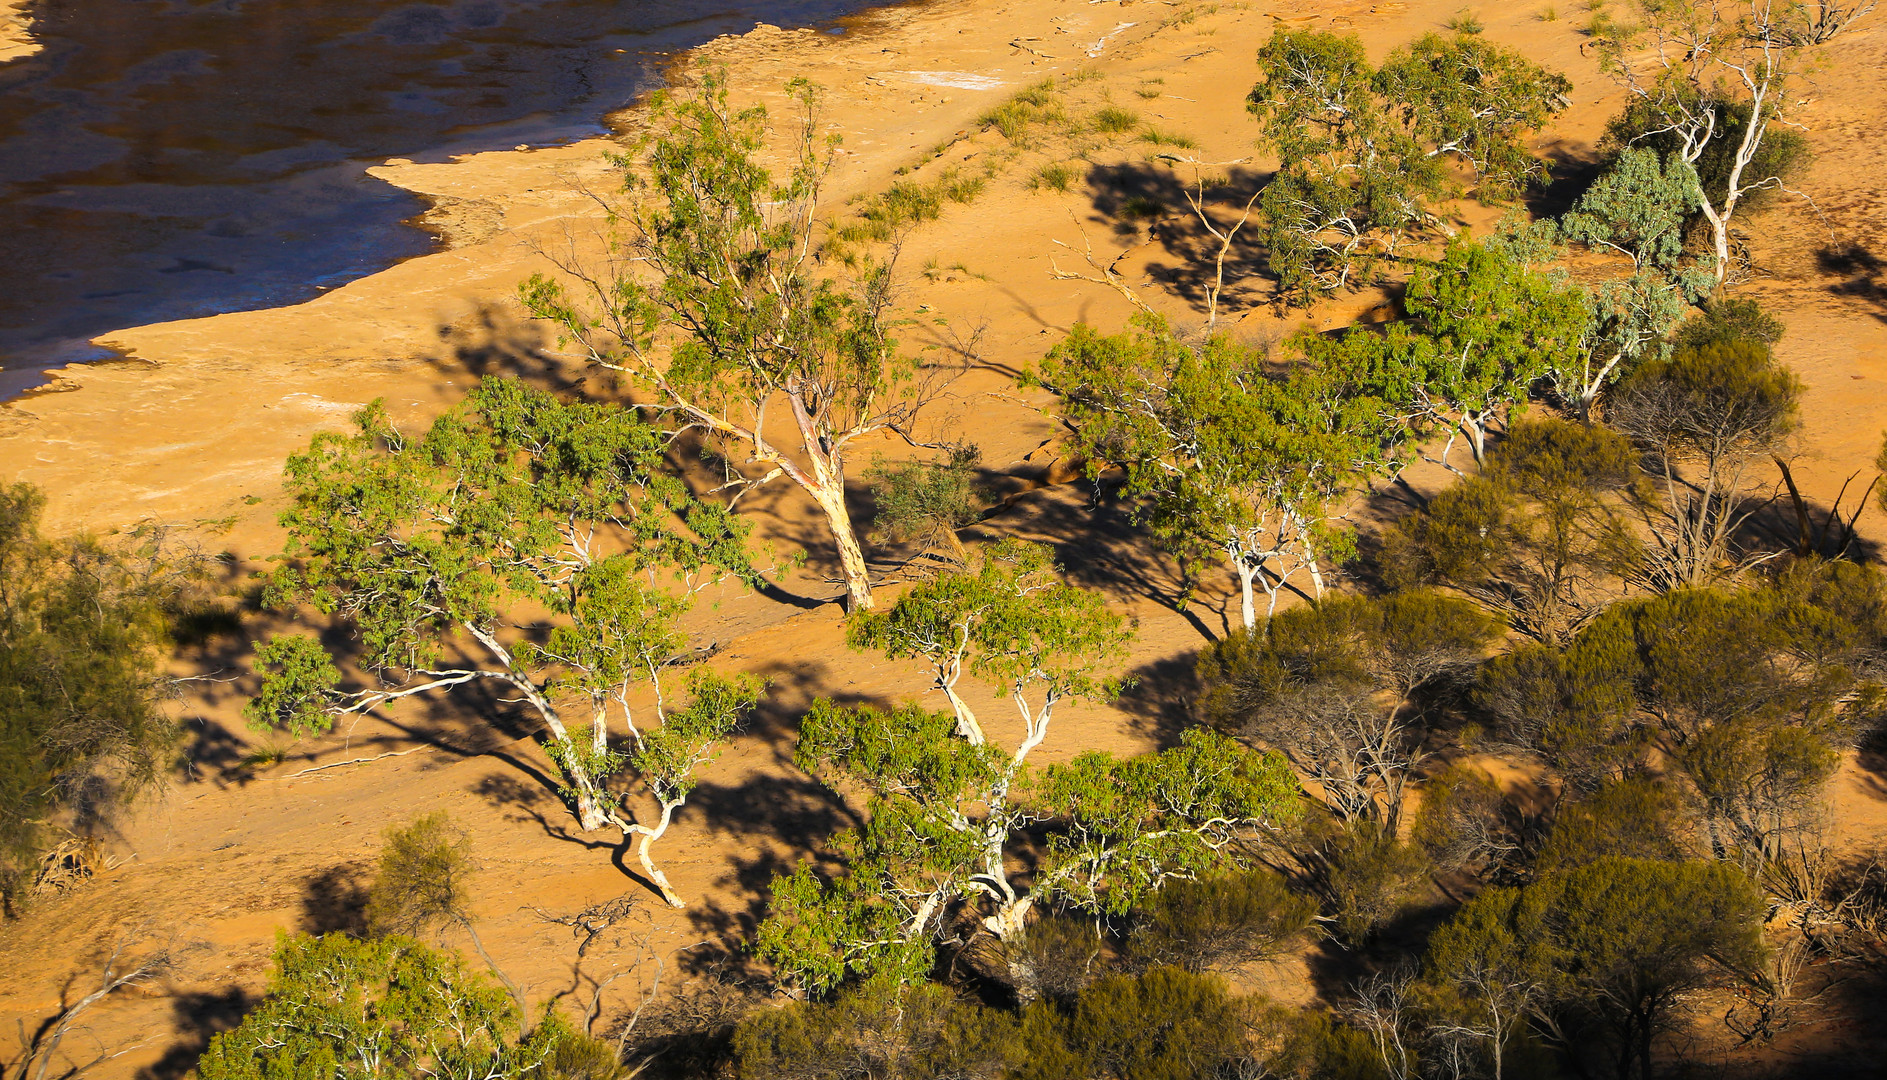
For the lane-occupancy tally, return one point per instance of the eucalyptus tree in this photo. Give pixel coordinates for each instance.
(1364, 152)
(1010, 620)
(1226, 455)
(947, 806)
(1638, 208)
(1489, 328)
(1704, 418)
(1339, 688)
(444, 553)
(1599, 957)
(945, 819)
(1707, 84)
(712, 300)
(341, 1007)
(1536, 537)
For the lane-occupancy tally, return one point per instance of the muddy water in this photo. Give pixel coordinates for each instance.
(167, 158)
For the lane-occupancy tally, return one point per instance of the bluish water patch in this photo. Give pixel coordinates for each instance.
(162, 159)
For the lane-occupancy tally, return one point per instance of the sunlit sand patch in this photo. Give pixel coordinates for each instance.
(955, 80)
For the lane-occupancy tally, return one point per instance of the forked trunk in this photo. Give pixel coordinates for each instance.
(649, 837)
(590, 813)
(967, 727)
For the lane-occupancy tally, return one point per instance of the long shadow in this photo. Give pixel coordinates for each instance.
(334, 900)
(1160, 701)
(1817, 529)
(1863, 274)
(495, 340)
(1100, 546)
(532, 804)
(200, 1017)
(1124, 194)
(1571, 167)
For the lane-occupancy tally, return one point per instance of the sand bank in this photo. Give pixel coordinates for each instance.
(194, 425)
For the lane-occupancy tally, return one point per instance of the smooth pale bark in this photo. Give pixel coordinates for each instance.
(649, 835)
(591, 815)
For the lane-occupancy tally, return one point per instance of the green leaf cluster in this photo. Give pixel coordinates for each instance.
(1362, 150)
(339, 1008)
(83, 629)
(1227, 456)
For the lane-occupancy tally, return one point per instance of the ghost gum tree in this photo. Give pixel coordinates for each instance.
(1364, 152)
(1226, 454)
(711, 299)
(947, 805)
(1707, 83)
(431, 550)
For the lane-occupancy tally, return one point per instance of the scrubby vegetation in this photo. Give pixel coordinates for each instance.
(1533, 762)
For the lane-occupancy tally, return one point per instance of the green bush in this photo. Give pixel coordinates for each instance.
(1055, 959)
(1163, 1024)
(1220, 922)
(878, 1029)
(1055, 176)
(339, 1007)
(1161, 137)
(1114, 120)
(83, 628)
(1726, 320)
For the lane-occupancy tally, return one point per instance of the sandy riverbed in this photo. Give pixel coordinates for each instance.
(192, 428)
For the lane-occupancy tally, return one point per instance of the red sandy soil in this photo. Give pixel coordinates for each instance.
(191, 429)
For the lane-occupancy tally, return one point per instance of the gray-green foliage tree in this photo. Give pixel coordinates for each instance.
(348, 1009)
(1363, 152)
(882, 1028)
(1750, 696)
(1704, 417)
(1164, 1023)
(711, 298)
(1219, 922)
(83, 629)
(1602, 956)
(1226, 457)
(1638, 208)
(1536, 537)
(1706, 84)
(1339, 688)
(429, 548)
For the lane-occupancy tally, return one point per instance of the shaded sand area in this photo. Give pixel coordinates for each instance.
(191, 429)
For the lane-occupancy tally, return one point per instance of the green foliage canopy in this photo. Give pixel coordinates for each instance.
(1362, 150)
(1225, 456)
(513, 499)
(83, 628)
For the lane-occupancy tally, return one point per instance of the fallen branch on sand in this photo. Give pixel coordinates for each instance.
(352, 761)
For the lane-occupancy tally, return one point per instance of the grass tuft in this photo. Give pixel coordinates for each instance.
(1113, 119)
(1059, 176)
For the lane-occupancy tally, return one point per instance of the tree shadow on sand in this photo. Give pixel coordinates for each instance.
(198, 1018)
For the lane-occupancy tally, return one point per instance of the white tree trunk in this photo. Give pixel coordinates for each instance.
(649, 836)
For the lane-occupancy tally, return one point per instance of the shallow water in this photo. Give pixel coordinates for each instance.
(161, 159)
